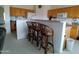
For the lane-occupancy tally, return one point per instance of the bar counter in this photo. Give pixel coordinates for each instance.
(59, 32)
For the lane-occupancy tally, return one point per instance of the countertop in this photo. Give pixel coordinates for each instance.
(50, 21)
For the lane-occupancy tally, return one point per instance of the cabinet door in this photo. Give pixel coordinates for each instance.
(76, 12)
(12, 11)
(74, 32)
(19, 12)
(13, 26)
(23, 12)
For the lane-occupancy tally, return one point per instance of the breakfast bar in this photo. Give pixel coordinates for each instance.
(59, 32)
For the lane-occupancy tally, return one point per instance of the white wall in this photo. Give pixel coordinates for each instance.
(24, 6)
(42, 11)
(7, 18)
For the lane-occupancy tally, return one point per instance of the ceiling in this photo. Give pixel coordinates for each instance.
(60, 6)
(24, 6)
(47, 6)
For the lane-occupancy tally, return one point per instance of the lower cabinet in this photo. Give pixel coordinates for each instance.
(13, 26)
(74, 32)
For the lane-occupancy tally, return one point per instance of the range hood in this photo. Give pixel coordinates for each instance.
(40, 12)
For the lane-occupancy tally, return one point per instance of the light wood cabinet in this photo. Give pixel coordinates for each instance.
(71, 32)
(23, 12)
(73, 12)
(14, 11)
(19, 11)
(74, 32)
(13, 26)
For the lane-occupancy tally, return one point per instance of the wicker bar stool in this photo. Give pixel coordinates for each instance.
(30, 31)
(45, 43)
(37, 29)
(35, 26)
(39, 35)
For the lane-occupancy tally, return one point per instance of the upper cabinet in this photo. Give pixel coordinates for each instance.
(14, 11)
(19, 11)
(72, 12)
(22, 12)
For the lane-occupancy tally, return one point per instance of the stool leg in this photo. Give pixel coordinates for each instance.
(28, 37)
(29, 34)
(37, 39)
(33, 36)
(40, 44)
(45, 51)
(46, 45)
(32, 40)
(53, 48)
(53, 45)
(37, 43)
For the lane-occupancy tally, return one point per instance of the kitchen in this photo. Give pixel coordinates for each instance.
(20, 23)
(19, 17)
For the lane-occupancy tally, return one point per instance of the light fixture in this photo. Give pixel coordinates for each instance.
(39, 6)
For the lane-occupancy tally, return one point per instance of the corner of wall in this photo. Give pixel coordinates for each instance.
(7, 18)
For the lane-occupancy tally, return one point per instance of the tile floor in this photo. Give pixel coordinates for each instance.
(23, 46)
(75, 49)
